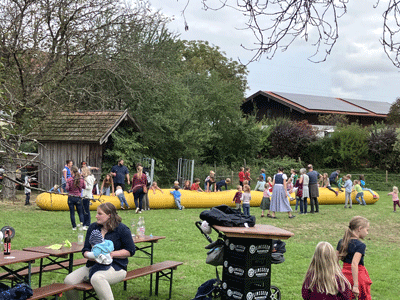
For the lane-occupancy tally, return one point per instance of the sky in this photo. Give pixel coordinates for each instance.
(357, 68)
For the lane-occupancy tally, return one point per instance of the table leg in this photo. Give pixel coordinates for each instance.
(41, 271)
(151, 262)
(71, 263)
(29, 273)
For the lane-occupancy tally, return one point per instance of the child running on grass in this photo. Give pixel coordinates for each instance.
(352, 251)
(324, 279)
(395, 197)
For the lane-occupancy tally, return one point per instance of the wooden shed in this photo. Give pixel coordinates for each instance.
(78, 136)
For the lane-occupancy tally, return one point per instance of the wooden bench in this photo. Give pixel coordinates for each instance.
(53, 290)
(162, 269)
(36, 270)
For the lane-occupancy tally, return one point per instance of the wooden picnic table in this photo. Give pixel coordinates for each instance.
(259, 231)
(18, 256)
(66, 254)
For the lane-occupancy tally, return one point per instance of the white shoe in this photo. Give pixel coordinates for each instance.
(74, 228)
(85, 228)
(137, 210)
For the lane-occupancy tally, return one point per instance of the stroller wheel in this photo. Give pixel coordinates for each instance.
(275, 293)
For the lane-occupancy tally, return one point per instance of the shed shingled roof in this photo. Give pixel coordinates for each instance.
(85, 126)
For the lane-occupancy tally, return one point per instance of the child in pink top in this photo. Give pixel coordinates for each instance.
(395, 197)
(289, 188)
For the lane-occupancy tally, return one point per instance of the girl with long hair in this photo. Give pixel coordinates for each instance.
(87, 194)
(107, 185)
(324, 279)
(139, 184)
(109, 225)
(75, 184)
(351, 251)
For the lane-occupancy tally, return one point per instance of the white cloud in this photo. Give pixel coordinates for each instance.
(357, 68)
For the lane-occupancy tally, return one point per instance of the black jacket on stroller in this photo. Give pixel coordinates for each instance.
(223, 215)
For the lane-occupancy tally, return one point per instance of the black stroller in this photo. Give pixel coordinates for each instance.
(214, 288)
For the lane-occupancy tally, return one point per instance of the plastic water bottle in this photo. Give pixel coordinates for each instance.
(133, 224)
(141, 228)
(80, 234)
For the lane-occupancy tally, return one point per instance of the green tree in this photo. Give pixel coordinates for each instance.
(350, 145)
(393, 116)
(44, 44)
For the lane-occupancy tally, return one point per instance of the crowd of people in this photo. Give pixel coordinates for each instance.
(278, 190)
(324, 276)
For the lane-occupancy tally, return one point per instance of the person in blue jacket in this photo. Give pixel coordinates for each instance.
(101, 276)
(177, 197)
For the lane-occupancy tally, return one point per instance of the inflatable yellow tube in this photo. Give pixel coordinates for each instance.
(189, 199)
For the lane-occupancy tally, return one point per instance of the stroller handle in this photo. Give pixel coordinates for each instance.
(198, 225)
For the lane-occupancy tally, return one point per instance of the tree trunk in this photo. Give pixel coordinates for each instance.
(8, 191)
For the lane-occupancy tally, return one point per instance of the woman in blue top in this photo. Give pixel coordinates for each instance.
(279, 201)
(102, 276)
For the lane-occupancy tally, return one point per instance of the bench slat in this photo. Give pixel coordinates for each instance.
(152, 269)
(50, 290)
(36, 270)
(158, 267)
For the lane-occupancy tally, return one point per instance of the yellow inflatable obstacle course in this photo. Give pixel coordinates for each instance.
(190, 199)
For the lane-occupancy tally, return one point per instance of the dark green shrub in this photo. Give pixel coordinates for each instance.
(381, 150)
(289, 138)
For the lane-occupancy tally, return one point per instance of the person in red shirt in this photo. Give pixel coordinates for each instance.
(247, 175)
(196, 185)
(241, 176)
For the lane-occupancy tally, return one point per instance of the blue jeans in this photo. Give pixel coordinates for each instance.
(360, 195)
(86, 212)
(75, 202)
(138, 198)
(369, 190)
(106, 191)
(298, 200)
(246, 209)
(122, 199)
(178, 203)
(303, 205)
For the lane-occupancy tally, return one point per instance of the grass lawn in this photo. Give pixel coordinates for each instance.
(35, 227)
